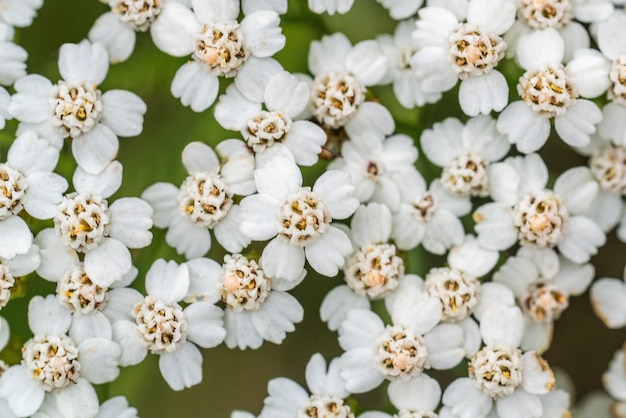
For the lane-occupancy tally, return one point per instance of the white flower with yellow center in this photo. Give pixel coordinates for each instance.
(373, 271)
(415, 341)
(376, 164)
(52, 361)
(427, 216)
(465, 152)
(85, 223)
(205, 199)
(160, 324)
(542, 282)
(75, 107)
(288, 399)
(298, 219)
(399, 49)
(342, 72)
(274, 130)
(551, 91)
(469, 51)
(219, 46)
(525, 211)
(502, 378)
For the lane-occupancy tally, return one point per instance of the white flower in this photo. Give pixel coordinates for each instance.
(418, 397)
(551, 91)
(542, 282)
(614, 381)
(612, 45)
(376, 164)
(373, 271)
(220, 46)
(450, 50)
(413, 342)
(501, 376)
(276, 129)
(76, 108)
(342, 73)
(287, 399)
(298, 219)
(525, 211)
(116, 407)
(465, 152)
(427, 216)
(19, 13)
(54, 362)
(256, 307)
(28, 184)
(87, 224)
(205, 199)
(330, 6)
(158, 323)
(399, 50)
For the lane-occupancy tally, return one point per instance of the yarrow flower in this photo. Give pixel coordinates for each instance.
(205, 199)
(220, 46)
(74, 107)
(298, 219)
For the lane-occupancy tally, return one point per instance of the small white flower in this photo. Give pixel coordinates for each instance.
(427, 216)
(415, 341)
(551, 91)
(220, 46)
(399, 50)
(465, 152)
(87, 224)
(330, 6)
(276, 130)
(542, 282)
(159, 324)
(525, 211)
(54, 362)
(76, 108)
(288, 399)
(342, 74)
(205, 199)
(450, 50)
(298, 219)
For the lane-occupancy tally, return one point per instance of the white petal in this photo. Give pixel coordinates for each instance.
(83, 62)
(484, 94)
(466, 400)
(337, 193)
(182, 368)
(199, 157)
(337, 303)
(495, 227)
(108, 262)
(253, 76)
(358, 371)
(519, 404)
(15, 237)
(104, 183)
(262, 33)
(98, 358)
(189, 238)
(523, 127)
(582, 240)
(46, 316)
(233, 110)
(445, 346)
(92, 325)
(167, 280)
(123, 111)
(173, 31)
(577, 188)
(134, 349)
(210, 11)
(286, 93)
(206, 327)
(283, 260)
(371, 117)
(260, 214)
(277, 316)
(95, 149)
(421, 393)
(131, 220)
(23, 393)
(607, 297)
(502, 325)
(442, 143)
(531, 58)
(194, 87)
(494, 15)
(44, 193)
(580, 120)
(117, 38)
(305, 141)
(328, 252)
(163, 199)
(367, 62)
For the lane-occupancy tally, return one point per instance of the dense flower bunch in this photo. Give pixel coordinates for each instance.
(456, 238)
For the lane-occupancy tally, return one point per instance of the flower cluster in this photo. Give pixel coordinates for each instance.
(414, 168)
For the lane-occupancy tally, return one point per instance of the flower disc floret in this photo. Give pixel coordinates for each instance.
(325, 406)
(138, 14)
(544, 301)
(540, 218)
(474, 51)
(374, 271)
(400, 353)
(549, 91)
(76, 107)
(466, 175)
(221, 48)
(82, 221)
(335, 98)
(608, 165)
(497, 370)
(265, 129)
(415, 414)
(161, 324)
(51, 359)
(76, 291)
(206, 198)
(244, 284)
(542, 14)
(423, 207)
(457, 291)
(7, 281)
(13, 185)
(304, 217)
(617, 91)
